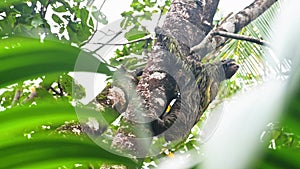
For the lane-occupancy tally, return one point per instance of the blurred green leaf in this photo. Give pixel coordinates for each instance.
(54, 151)
(15, 121)
(46, 149)
(8, 3)
(78, 0)
(279, 159)
(24, 58)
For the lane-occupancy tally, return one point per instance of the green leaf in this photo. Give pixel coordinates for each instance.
(84, 14)
(168, 2)
(147, 15)
(126, 14)
(24, 58)
(288, 158)
(36, 21)
(15, 120)
(136, 5)
(44, 149)
(126, 22)
(6, 98)
(57, 19)
(60, 9)
(100, 17)
(78, 0)
(149, 3)
(54, 151)
(134, 34)
(8, 3)
(43, 2)
(61, 30)
(91, 23)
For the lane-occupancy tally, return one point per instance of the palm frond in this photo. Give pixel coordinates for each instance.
(256, 62)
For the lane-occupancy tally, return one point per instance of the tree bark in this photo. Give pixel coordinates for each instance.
(232, 25)
(172, 68)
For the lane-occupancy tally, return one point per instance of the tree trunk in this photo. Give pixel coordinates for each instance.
(175, 72)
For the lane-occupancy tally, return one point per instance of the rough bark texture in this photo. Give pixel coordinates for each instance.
(173, 69)
(233, 25)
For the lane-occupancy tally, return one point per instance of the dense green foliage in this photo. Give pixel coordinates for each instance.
(68, 21)
(28, 125)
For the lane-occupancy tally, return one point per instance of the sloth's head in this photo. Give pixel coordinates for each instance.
(230, 67)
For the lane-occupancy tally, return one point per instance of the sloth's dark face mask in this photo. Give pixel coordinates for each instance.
(230, 67)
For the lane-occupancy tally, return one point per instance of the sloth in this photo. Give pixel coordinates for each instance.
(179, 118)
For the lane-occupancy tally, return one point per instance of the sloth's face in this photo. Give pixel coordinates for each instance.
(230, 67)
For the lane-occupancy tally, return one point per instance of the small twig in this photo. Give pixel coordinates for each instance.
(225, 18)
(96, 27)
(16, 97)
(93, 35)
(130, 42)
(116, 35)
(102, 4)
(32, 95)
(102, 59)
(160, 15)
(242, 37)
(233, 24)
(61, 90)
(95, 31)
(101, 46)
(43, 15)
(55, 91)
(106, 34)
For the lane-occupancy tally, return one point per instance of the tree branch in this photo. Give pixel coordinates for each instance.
(232, 25)
(43, 15)
(116, 35)
(31, 96)
(61, 91)
(96, 27)
(182, 28)
(241, 37)
(102, 4)
(102, 45)
(55, 91)
(160, 15)
(171, 70)
(209, 10)
(17, 97)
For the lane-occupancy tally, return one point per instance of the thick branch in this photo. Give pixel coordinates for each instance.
(232, 24)
(171, 69)
(182, 28)
(209, 9)
(241, 37)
